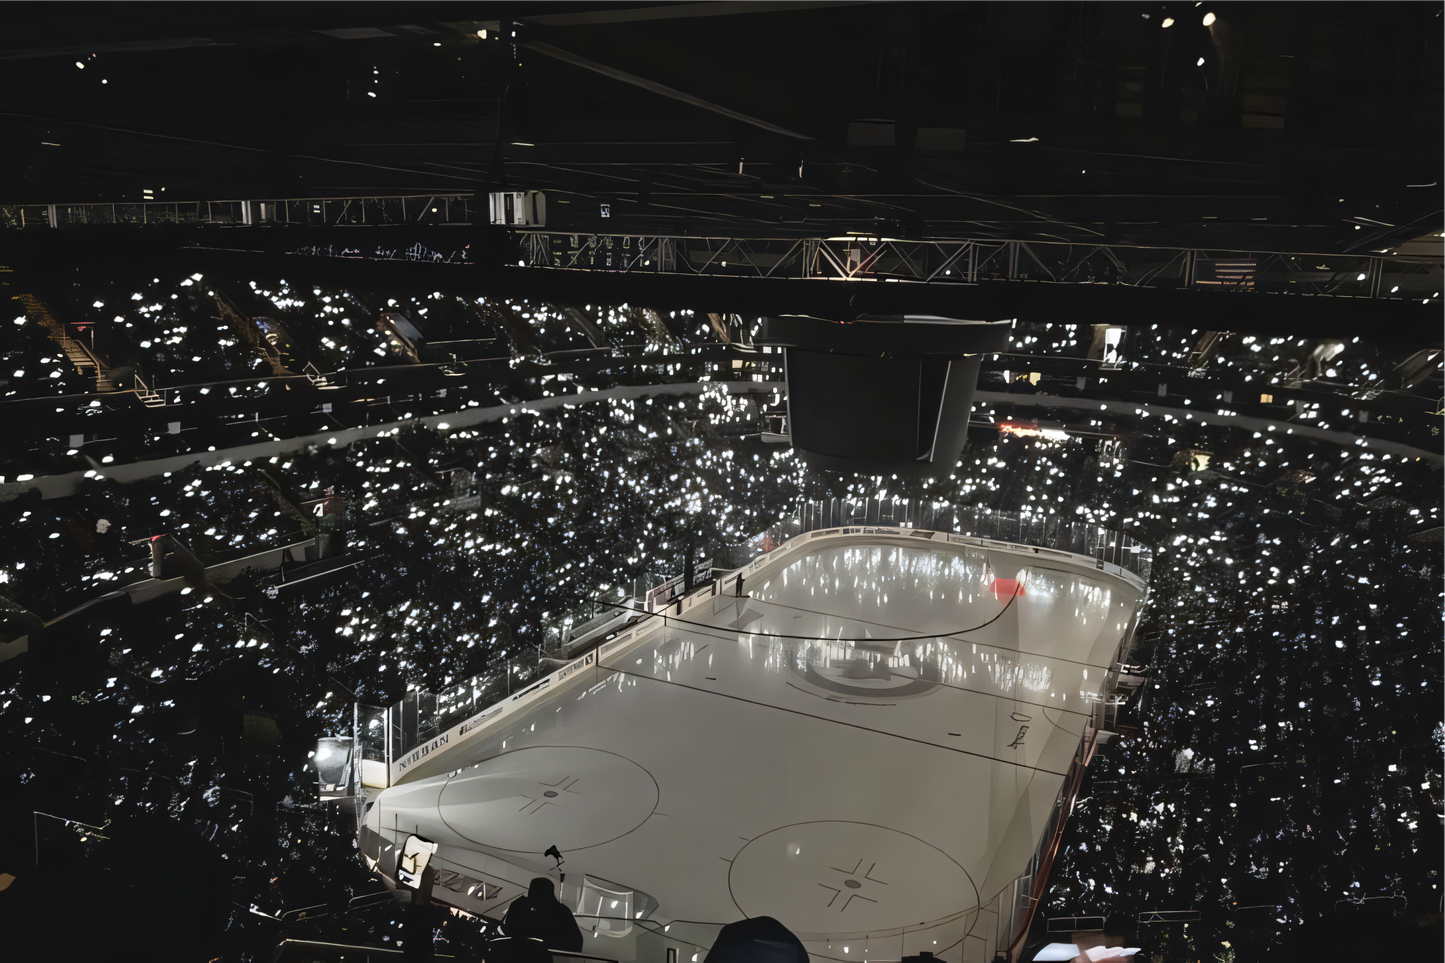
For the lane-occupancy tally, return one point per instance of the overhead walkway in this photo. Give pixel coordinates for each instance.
(375, 211)
(1410, 272)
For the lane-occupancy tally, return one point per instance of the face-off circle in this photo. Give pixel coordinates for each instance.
(828, 878)
(530, 799)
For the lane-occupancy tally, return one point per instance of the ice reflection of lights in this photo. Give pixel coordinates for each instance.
(673, 655)
(889, 571)
(1032, 676)
(825, 654)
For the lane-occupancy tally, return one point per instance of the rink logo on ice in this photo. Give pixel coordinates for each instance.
(421, 752)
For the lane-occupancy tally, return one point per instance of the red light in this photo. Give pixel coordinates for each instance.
(1003, 588)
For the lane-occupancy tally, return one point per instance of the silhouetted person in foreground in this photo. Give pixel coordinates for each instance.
(538, 916)
(761, 939)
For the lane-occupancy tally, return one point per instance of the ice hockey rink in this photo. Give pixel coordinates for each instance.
(865, 741)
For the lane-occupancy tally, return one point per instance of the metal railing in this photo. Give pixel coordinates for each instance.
(969, 261)
(938, 261)
(385, 210)
(149, 395)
